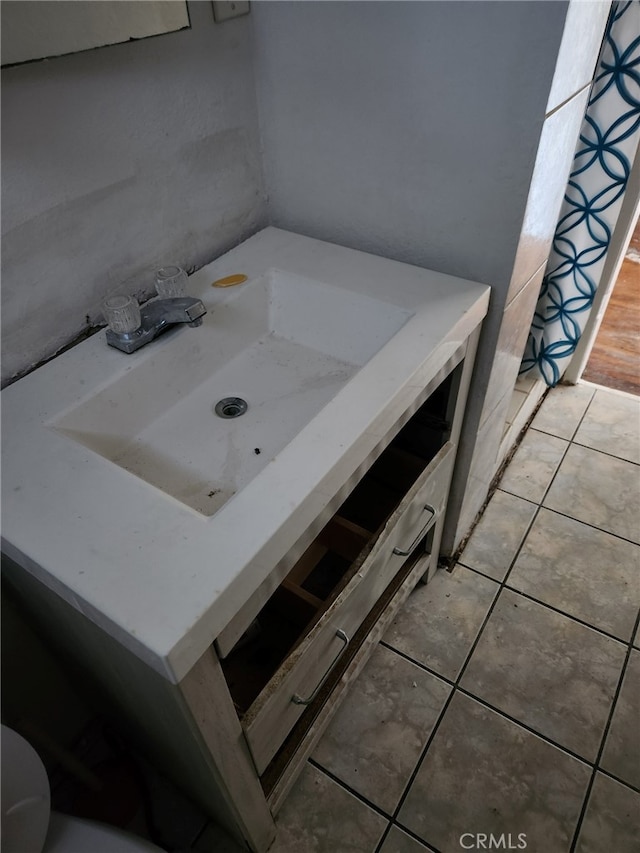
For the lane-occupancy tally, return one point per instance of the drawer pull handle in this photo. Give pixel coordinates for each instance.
(298, 700)
(401, 552)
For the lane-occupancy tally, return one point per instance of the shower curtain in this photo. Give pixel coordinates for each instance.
(600, 173)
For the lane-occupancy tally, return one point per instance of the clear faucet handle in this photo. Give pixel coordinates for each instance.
(171, 281)
(122, 313)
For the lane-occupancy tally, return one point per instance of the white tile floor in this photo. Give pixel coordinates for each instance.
(504, 698)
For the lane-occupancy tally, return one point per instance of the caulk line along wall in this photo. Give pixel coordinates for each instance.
(116, 160)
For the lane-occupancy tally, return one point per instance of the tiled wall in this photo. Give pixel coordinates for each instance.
(504, 340)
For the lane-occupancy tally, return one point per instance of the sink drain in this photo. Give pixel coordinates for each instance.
(231, 407)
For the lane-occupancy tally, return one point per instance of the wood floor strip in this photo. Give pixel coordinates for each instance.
(615, 358)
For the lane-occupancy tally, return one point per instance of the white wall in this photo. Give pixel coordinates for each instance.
(117, 160)
(437, 133)
(408, 129)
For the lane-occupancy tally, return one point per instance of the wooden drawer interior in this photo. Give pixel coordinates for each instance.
(326, 702)
(294, 608)
(336, 554)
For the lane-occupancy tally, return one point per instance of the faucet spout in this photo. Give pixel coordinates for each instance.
(155, 318)
(166, 312)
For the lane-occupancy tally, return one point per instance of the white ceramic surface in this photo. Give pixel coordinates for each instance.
(159, 577)
(29, 825)
(26, 798)
(283, 344)
(74, 835)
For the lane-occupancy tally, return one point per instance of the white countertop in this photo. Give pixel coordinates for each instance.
(159, 577)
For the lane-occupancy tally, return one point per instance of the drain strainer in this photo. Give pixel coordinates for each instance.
(230, 407)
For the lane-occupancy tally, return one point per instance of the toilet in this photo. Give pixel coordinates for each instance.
(29, 825)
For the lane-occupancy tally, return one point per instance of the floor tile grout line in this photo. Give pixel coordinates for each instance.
(549, 606)
(505, 579)
(502, 584)
(347, 787)
(430, 848)
(515, 495)
(511, 494)
(546, 433)
(617, 779)
(587, 524)
(421, 757)
(588, 447)
(554, 475)
(420, 665)
(584, 415)
(616, 392)
(465, 692)
(605, 453)
(571, 616)
(566, 515)
(562, 458)
(479, 572)
(580, 419)
(383, 837)
(603, 741)
(525, 726)
(549, 484)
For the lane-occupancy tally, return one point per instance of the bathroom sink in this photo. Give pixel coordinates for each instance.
(125, 493)
(280, 343)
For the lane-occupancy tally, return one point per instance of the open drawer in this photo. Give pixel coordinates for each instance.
(308, 623)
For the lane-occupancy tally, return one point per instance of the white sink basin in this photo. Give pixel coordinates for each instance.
(283, 343)
(117, 476)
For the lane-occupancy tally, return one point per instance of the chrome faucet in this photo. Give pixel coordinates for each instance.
(155, 318)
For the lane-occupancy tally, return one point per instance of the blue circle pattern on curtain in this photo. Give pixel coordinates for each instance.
(600, 174)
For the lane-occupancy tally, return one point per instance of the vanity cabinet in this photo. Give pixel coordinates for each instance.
(223, 642)
(236, 731)
(304, 634)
